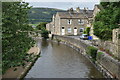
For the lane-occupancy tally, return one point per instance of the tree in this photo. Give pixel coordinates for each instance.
(44, 33)
(15, 38)
(87, 31)
(107, 20)
(42, 25)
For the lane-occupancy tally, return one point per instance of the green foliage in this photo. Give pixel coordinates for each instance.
(87, 31)
(15, 39)
(37, 15)
(107, 20)
(92, 51)
(41, 26)
(99, 54)
(44, 33)
(84, 32)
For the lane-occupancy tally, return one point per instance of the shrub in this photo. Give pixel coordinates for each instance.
(44, 33)
(99, 54)
(41, 26)
(88, 31)
(92, 51)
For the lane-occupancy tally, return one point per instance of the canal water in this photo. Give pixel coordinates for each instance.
(61, 61)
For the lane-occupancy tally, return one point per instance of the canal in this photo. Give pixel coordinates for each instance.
(61, 61)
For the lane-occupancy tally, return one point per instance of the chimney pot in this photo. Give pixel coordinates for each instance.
(78, 9)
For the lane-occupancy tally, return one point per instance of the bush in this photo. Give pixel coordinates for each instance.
(41, 26)
(92, 51)
(88, 31)
(99, 54)
(44, 33)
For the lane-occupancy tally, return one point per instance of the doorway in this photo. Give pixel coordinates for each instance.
(75, 31)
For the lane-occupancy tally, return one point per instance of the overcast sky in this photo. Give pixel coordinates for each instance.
(63, 4)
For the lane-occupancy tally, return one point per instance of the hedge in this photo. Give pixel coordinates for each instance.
(92, 51)
(99, 54)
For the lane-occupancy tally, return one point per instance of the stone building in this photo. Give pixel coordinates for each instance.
(96, 10)
(50, 26)
(71, 22)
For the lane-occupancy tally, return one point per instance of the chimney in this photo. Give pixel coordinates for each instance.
(78, 9)
(85, 10)
(70, 10)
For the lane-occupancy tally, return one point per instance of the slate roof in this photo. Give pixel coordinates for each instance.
(76, 15)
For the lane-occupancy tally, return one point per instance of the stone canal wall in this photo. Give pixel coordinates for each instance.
(105, 63)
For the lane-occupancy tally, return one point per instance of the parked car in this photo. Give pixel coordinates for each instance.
(84, 36)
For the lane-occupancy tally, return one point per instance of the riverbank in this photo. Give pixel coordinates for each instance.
(101, 63)
(20, 72)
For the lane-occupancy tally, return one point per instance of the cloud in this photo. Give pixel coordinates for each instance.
(63, 5)
(62, 0)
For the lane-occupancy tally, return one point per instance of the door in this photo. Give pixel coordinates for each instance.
(75, 31)
(63, 31)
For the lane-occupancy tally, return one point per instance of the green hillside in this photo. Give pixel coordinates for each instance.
(37, 15)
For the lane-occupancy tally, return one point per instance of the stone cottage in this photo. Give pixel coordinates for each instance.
(97, 9)
(71, 22)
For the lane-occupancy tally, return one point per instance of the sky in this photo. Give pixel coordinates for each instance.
(63, 4)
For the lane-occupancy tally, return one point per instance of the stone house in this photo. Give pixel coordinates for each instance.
(97, 9)
(71, 22)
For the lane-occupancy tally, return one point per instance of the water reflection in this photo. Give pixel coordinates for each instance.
(61, 61)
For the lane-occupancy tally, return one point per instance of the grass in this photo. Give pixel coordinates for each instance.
(33, 24)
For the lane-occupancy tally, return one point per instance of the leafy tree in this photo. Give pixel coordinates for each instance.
(15, 38)
(107, 20)
(44, 33)
(87, 31)
(42, 25)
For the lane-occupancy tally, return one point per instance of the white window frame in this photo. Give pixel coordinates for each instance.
(81, 29)
(69, 29)
(81, 21)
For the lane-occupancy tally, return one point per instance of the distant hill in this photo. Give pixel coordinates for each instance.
(37, 15)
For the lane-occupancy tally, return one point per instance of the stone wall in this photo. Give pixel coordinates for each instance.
(111, 46)
(116, 41)
(108, 45)
(112, 66)
(106, 64)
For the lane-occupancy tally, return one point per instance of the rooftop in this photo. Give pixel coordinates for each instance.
(74, 14)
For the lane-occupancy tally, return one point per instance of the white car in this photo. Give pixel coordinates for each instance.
(84, 36)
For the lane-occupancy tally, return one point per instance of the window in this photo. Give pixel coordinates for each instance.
(69, 30)
(81, 29)
(69, 21)
(75, 28)
(81, 21)
(62, 27)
